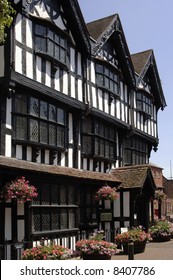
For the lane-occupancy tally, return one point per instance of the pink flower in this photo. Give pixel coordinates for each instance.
(106, 192)
(19, 189)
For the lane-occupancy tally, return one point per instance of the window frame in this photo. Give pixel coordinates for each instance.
(108, 77)
(143, 103)
(100, 132)
(56, 33)
(135, 152)
(47, 210)
(40, 122)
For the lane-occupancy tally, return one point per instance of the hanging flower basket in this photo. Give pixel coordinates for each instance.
(107, 193)
(19, 189)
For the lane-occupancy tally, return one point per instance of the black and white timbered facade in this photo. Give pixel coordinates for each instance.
(74, 105)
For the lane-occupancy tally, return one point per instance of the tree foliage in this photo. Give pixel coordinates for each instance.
(6, 17)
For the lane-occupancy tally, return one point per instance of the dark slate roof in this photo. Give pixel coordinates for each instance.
(133, 176)
(96, 28)
(12, 163)
(139, 60)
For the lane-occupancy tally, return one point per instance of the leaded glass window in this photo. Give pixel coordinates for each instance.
(39, 121)
(34, 130)
(34, 107)
(143, 103)
(99, 139)
(49, 42)
(21, 128)
(55, 209)
(135, 151)
(107, 79)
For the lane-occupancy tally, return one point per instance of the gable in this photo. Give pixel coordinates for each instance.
(137, 176)
(110, 45)
(148, 76)
(66, 15)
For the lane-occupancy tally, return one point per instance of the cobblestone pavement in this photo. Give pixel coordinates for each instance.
(153, 251)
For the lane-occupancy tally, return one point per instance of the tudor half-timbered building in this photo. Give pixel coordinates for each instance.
(74, 106)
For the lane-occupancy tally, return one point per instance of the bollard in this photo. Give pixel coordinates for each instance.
(131, 249)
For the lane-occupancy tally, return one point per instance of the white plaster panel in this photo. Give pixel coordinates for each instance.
(38, 69)
(65, 82)
(102, 166)
(18, 28)
(73, 86)
(8, 145)
(116, 208)
(20, 209)
(29, 65)
(85, 164)
(21, 230)
(79, 159)
(79, 65)
(57, 81)
(80, 92)
(106, 103)
(126, 204)
(122, 112)
(62, 159)
(46, 156)
(29, 154)
(70, 125)
(8, 112)
(94, 97)
(113, 107)
(92, 67)
(72, 59)
(29, 42)
(18, 59)
(118, 109)
(8, 234)
(70, 157)
(91, 164)
(19, 151)
(138, 120)
(100, 99)
(48, 74)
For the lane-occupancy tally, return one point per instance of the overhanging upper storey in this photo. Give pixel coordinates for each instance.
(148, 77)
(110, 45)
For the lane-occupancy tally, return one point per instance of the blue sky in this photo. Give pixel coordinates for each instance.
(147, 24)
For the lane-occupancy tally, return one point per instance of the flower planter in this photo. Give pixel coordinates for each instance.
(162, 238)
(138, 248)
(96, 257)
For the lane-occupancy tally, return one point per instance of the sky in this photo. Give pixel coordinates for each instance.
(147, 24)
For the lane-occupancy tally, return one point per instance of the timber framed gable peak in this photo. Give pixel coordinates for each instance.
(110, 29)
(146, 69)
(58, 13)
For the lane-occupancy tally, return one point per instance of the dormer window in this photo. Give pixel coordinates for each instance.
(143, 103)
(50, 43)
(107, 79)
